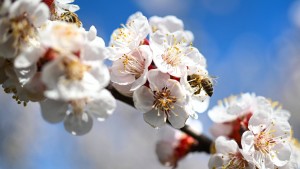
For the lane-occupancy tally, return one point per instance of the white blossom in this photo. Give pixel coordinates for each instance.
(124, 89)
(170, 24)
(70, 59)
(32, 90)
(172, 55)
(236, 106)
(233, 114)
(267, 141)
(132, 68)
(18, 28)
(129, 37)
(228, 155)
(77, 114)
(192, 83)
(164, 100)
(69, 78)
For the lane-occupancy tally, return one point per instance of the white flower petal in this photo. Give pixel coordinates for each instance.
(166, 24)
(123, 89)
(155, 118)
(143, 99)
(53, 111)
(281, 154)
(78, 124)
(178, 117)
(199, 105)
(248, 141)
(221, 129)
(218, 114)
(216, 161)
(259, 121)
(103, 106)
(157, 79)
(225, 146)
(40, 15)
(164, 151)
(29, 57)
(139, 82)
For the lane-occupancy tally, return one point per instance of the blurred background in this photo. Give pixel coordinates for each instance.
(250, 45)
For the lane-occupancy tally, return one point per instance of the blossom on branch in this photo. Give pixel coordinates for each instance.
(19, 24)
(78, 114)
(231, 116)
(171, 53)
(163, 100)
(268, 141)
(228, 155)
(170, 24)
(129, 37)
(260, 128)
(132, 68)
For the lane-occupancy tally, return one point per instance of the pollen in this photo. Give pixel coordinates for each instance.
(67, 31)
(236, 161)
(74, 70)
(163, 100)
(13, 91)
(22, 30)
(172, 56)
(264, 141)
(133, 65)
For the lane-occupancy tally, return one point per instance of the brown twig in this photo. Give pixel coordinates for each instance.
(204, 143)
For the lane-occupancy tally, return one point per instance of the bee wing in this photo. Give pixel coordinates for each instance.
(213, 79)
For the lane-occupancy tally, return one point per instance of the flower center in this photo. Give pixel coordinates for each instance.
(74, 70)
(264, 141)
(236, 161)
(172, 56)
(123, 36)
(21, 29)
(164, 100)
(133, 65)
(68, 32)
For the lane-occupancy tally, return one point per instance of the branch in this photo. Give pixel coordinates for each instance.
(204, 143)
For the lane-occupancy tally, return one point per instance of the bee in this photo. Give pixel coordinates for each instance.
(70, 17)
(198, 83)
(207, 86)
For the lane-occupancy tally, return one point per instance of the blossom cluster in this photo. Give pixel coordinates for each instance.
(48, 57)
(252, 132)
(154, 62)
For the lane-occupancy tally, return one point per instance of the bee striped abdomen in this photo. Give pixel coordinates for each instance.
(70, 17)
(207, 86)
